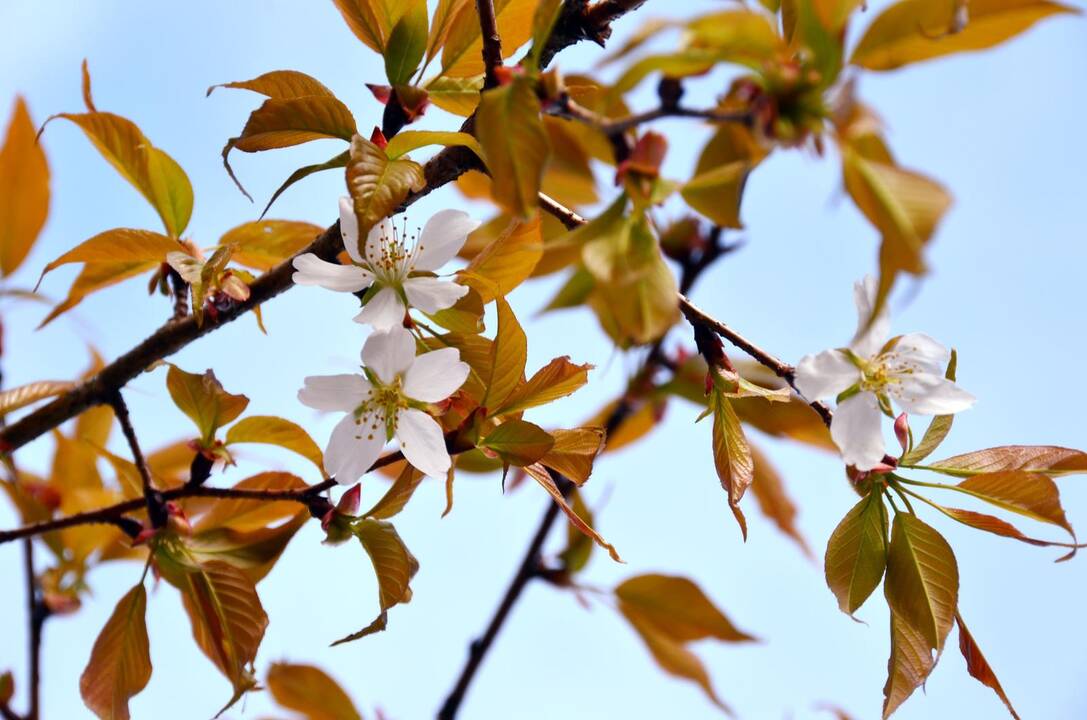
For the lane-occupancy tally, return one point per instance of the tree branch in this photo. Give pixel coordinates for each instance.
(492, 42)
(37, 613)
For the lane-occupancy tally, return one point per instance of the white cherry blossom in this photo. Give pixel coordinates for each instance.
(388, 401)
(392, 262)
(871, 371)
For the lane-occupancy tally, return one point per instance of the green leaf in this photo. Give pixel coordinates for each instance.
(407, 140)
(272, 430)
(204, 400)
(407, 43)
(579, 547)
(518, 442)
(372, 21)
(912, 31)
(120, 663)
(543, 23)
(311, 692)
(377, 184)
(922, 584)
(24, 189)
(509, 352)
(857, 553)
(442, 20)
(515, 145)
(151, 171)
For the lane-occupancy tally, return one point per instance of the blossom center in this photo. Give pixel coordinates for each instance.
(885, 371)
(391, 256)
(380, 407)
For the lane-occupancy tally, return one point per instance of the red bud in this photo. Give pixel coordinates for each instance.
(378, 138)
(381, 92)
(349, 501)
(902, 431)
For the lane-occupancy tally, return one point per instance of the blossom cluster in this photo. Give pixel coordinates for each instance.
(393, 395)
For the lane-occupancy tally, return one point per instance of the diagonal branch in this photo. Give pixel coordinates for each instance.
(156, 508)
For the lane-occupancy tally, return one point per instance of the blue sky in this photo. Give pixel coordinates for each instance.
(1003, 130)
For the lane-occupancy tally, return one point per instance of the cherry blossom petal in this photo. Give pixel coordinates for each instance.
(856, 430)
(923, 393)
(442, 238)
(922, 351)
(422, 442)
(354, 446)
(384, 310)
(867, 343)
(312, 270)
(349, 229)
(430, 294)
(334, 392)
(379, 237)
(389, 353)
(435, 375)
(825, 375)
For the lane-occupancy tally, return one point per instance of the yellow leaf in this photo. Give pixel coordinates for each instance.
(280, 84)
(151, 171)
(204, 400)
(395, 567)
(579, 546)
(922, 583)
(407, 140)
(283, 122)
(574, 451)
(507, 261)
(1048, 459)
(272, 430)
(120, 664)
(509, 353)
(228, 620)
(914, 30)
(557, 379)
(398, 494)
(372, 21)
(670, 654)
(264, 244)
(458, 96)
(24, 189)
(120, 247)
(1032, 495)
(440, 24)
(463, 52)
(515, 145)
(731, 455)
(543, 476)
(679, 608)
(310, 691)
(775, 503)
(378, 185)
(31, 393)
(909, 666)
(245, 515)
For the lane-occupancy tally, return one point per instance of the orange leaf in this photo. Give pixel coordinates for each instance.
(120, 663)
(24, 189)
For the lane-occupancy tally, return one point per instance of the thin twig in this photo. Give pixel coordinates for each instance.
(156, 509)
(37, 613)
(777, 366)
(113, 513)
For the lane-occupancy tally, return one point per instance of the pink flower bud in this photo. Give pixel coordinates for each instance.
(902, 431)
(349, 501)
